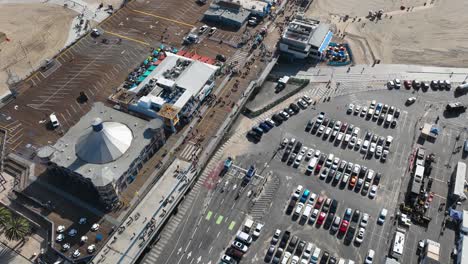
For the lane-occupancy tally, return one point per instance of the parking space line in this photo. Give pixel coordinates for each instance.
(73, 109)
(128, 38)
(161, 17)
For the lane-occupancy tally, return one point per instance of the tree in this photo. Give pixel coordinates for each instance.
(5, 214)
(16, 228)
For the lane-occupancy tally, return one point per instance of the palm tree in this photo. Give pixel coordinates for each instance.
(16, 228)
(4, 215)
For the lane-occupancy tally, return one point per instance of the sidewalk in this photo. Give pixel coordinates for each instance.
(126, 244)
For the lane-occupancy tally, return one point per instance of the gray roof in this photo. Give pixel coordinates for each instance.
(319, 35)
(103, 156)
(228, 15)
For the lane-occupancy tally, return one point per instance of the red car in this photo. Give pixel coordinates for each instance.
(343, 127)
(407, 84)
(317, 168)
(321, 218)
(352, 182)
(319, 202)
(344, 226)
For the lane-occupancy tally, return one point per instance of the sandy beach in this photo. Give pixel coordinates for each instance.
(431, 34)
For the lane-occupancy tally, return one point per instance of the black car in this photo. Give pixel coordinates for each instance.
(309, 125)
(300, 248)
(368, 135)
(253, 135)
(325, 257)
(363, 172)
(277, 118)
(285, 238)
(355, 217)
(325, 122)
(269, 253)
(278, 255)
(377, 178)
(292, 244)
(350, 234)
(333, 206)
(285, 156)
(397, 113)
(314, 129)
(292, 204)
(328, 220)
(321, 159)
(291, 159)
(332, 123)
(294, 107)
(393, 124)
(297, 148)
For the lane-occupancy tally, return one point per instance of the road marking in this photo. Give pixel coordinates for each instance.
(231, 226)
(219, 220)
(164, 18)
(128, 38)
(208, 216)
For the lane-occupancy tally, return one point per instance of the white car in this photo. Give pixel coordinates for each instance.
(356, 131)
(372, 147)
(307, 251)
(411, 100)
(202, 29)
(358, 144)
(307, 99)
(390, 85)
(373, 191)
(276, 236)
(298, 160)
(337, 125)
(313, 216)
(360, 235)
(285, 142)
(238, 245)
(397, 83)
(352, 142)
(356, 169)
(212, 31)
(258, 230)
(299, 208)
(286, 258)
(364, 220)
(320, 130)
(378, 151)
(312, 198)
(384, 155)
(335, 163)
(350, 109)
(309, 154)
(382, 216)
(76, 253)
(339, 137)
(303, 150)
(370, 257)
(327, 131)
(372, 104)
(357, 109)
(317, 153)
(295, 260)
(298, 191)
(363, 111)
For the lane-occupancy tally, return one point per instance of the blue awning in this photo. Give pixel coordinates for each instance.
(326, 41)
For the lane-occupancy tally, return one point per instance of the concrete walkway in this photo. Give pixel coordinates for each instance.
(126, 245)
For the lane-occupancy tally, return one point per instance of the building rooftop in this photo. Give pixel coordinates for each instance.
(103, 144)
(175, 81)
(308, 32)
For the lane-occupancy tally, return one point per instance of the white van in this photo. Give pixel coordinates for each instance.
(306, 213)
(54, 121)
(244, 237)
(315, 256)
(388, 120)
(312, 164)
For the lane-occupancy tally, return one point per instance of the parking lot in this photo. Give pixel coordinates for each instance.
(393, 169)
